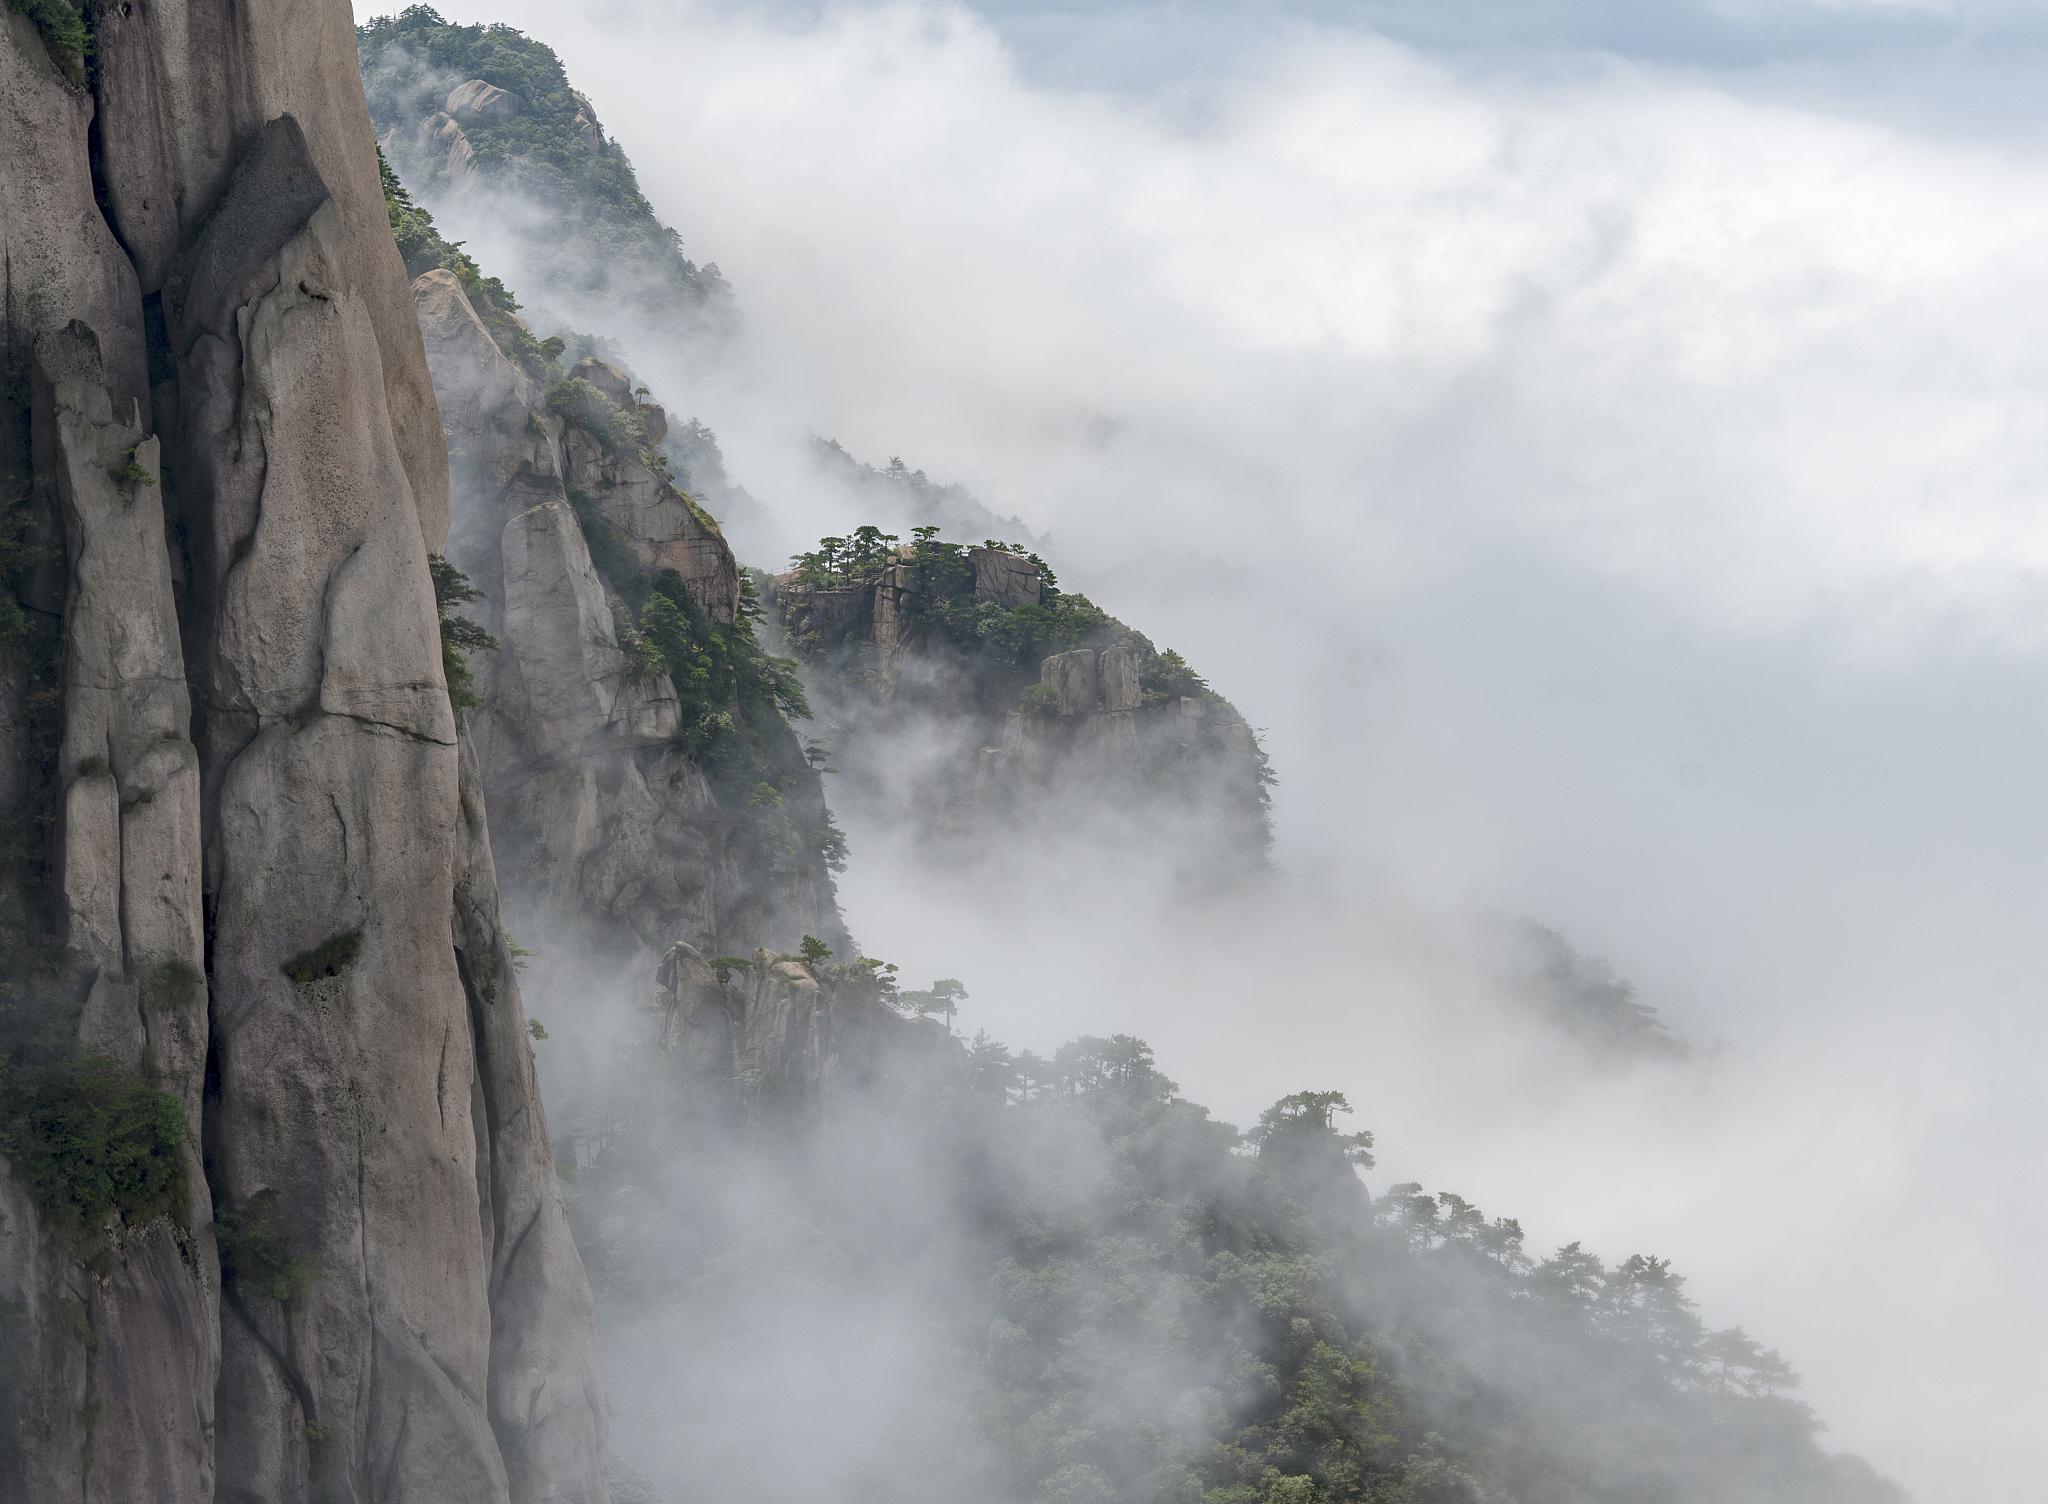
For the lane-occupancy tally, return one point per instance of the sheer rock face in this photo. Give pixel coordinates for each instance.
(608, 826)
(546, 1398)
(1002, 577)
(655, 519)
(217, 401)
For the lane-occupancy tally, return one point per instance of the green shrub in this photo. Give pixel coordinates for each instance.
(177, 984)
(131, 474)
(330, 958)
(1165, 675)
(459, 635)
(95, 1141)
(642, 656)
(618, 429)
(252, 1254)
(64, 34)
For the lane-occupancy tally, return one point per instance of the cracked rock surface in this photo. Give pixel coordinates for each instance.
(270, 873)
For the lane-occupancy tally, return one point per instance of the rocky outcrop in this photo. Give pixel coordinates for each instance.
(766, 1038)
(437, 148)
(1116, 677)
(1072, 681)
(442, 148)
(890, 611)
(589, 131)
(612, 829)
(925, 649)
(1087, 719)
(1002, 577)
(280, 911)
(659, 522)
(477, 101)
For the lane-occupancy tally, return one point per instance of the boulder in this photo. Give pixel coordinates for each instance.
(477, 387)
(479, 101)
(1004, 578)
(1073, 680)
(664, 529)
(606, 377)
(697, 1011)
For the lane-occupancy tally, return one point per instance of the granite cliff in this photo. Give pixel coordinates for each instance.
(279, 1220)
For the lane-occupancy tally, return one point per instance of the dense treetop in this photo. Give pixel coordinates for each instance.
(1125, 1299)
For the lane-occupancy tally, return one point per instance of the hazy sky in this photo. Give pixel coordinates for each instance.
(1604, 445)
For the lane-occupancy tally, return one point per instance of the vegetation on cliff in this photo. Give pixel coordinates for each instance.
(1588, 999)
(460, 636)
(90, 1140)
(738, 705)
(424, 248)
(934, 631)
(1015, 634)
(65, 32)
(596, 232)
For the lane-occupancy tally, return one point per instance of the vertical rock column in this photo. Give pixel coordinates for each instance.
(109, 1336)
(228, 413)
(342, 1137)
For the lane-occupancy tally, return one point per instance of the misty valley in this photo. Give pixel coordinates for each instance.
(572, 933)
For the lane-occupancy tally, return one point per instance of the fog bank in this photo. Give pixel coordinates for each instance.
(1614, 487)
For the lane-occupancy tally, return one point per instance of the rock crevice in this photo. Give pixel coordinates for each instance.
(274, 907)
